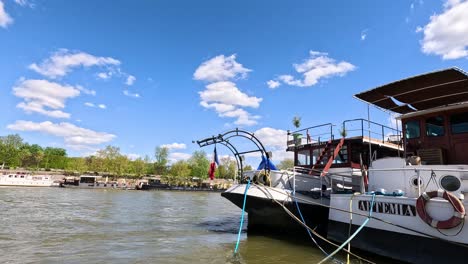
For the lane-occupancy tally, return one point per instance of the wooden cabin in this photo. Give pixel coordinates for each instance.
(434, 117)
(434, 114)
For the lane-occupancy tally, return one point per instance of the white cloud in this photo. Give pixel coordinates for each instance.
(24, 3)
(364, 34)
(41, 96)
(104, 75)
(274, 140)
(129, 94)
(273, 84)
(316, 67)
(243, 117)
(62, 62)
(227, 100)
(174, 146)
(86, 91)
(220, 68)
(446, 34)
(222, 95)
(176, 156)
(74, 137)
(227, 93)
(102, 106)
(451, 3)
(219, 108)
(130, 80)
(418, 29)
(5, 18)
(272, 137)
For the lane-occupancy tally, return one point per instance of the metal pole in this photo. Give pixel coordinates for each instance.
(368, 127)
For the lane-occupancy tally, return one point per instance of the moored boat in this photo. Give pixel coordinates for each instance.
(324, 162)
(93, 182)
(28, 180)
(417, 201)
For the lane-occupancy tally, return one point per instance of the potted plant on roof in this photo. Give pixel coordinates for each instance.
(297, 136)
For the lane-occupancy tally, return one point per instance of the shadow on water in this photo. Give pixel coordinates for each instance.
(228, 225)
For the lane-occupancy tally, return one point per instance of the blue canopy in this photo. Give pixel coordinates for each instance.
(266, 165)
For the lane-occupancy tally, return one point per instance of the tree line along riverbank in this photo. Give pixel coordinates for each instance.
(16, 154)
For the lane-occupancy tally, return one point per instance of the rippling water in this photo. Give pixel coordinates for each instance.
(59, 225)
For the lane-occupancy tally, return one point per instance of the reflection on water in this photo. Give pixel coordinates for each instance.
(59, 225)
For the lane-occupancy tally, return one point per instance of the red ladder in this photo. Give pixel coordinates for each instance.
(332, 158)
(325, 150)
(326, 153)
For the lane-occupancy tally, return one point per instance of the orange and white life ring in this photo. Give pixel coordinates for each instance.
(458, 208)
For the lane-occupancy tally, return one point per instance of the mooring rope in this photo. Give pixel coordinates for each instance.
(268, 194)
(376, 218)
(353, 235)
(308, 231)
(242, 218)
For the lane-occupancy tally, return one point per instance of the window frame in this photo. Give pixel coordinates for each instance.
(427, 125)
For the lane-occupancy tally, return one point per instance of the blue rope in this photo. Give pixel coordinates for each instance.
(308, 231)
(353, 235)
(242, 218)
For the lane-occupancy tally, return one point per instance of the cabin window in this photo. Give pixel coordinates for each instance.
(303, 157)
(342, 156)
(450, 183)
(412, 129)
(459, 123)
(435, 126)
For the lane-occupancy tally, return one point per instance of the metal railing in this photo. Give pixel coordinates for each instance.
(313, 134)
(357, 127)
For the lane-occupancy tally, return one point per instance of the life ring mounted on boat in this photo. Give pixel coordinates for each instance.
(458, 214)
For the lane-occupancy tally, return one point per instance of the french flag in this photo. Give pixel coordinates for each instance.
(211, 172)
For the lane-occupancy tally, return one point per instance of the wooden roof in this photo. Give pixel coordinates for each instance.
(426, 91)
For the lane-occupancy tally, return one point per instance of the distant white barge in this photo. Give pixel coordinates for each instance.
(28, 180)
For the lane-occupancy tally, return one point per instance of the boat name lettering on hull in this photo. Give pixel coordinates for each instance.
(388, 208)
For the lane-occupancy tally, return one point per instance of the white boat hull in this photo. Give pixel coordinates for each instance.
(28, 181)
(268, 217)
(402, 234)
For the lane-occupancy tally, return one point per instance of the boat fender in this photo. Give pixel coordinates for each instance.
(458, 208)
(380, 191)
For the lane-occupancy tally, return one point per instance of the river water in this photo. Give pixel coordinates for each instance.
(60, 225)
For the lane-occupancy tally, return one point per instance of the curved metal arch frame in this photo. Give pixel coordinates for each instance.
(224, 140)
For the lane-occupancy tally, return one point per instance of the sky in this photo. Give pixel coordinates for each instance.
(81, 75)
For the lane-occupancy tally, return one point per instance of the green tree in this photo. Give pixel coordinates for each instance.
(149, 168)
(161, 155)
(10, 147)
(139, 167)
(227, 168)
(199, 164)
(31, 155)
(286, 164)
(180, 172)
(54, 158)
(77, 164)
(110, 155)
(248, 168)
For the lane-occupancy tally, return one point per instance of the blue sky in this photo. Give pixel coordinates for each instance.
(139, 74)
